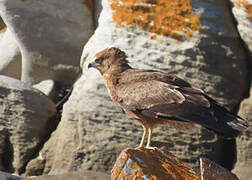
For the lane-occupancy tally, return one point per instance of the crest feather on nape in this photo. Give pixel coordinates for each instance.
(119, 54)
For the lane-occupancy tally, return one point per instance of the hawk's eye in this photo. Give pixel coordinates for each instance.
(99, 60)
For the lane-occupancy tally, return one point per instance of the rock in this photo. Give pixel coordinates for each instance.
(47, 87)
(191, 57)
(10, 64)
(244, 143)
(50, 35)
(24, 123)
(67, 132)
(242, 11)
(35, 167)
(213, 171)
(151, 164)
(97, 8)
(7, 176)
(207, 54)
(80, 175)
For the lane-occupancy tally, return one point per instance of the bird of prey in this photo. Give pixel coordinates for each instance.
(153, 97)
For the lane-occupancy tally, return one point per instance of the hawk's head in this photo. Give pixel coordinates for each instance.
(109, 59)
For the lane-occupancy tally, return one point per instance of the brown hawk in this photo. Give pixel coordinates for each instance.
(153, 97)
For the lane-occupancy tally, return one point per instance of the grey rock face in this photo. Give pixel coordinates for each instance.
(10, 63)
(24, 117)
(97, 8)
(243, 167)
(50, 35)
(7, 176)
(93, 131)
(80, 175)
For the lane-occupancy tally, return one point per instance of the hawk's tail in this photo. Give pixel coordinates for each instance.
(217, 119)
(227, 124)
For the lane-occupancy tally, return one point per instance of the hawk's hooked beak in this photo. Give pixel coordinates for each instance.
(90, 65)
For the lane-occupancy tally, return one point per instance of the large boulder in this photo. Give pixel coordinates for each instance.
(24, 123)
(244, 143)
(151, 164)
(207, 54)
(50, 35)
(190, 41)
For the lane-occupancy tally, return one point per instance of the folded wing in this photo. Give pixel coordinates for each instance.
(172, 101)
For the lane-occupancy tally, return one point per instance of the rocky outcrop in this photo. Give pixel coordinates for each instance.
(151, 164)
(24, 120)
(203, 50)
(211, 170)
(244, 143)
(50, 35)
(161, 164)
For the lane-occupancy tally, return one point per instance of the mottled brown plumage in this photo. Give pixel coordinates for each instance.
(154, 97)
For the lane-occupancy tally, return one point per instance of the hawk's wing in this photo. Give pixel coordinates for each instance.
(156, 98)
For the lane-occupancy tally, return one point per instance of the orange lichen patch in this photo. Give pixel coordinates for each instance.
(248, 8)
(171, 18)
(89, 3)
(153, 36)
(213, 171)
(151, 164)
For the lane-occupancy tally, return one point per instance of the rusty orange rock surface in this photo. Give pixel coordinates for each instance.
(244, 4)
(172, 18)
(151, 164)
(248, 7)
(212, 171)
